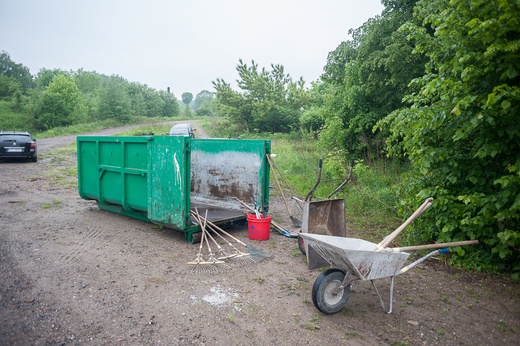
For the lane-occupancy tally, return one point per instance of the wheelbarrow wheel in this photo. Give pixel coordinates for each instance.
(325, 294)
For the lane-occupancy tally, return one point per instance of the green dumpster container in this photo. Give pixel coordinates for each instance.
(161, 178)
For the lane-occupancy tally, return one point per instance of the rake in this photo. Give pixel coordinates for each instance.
(256, 255)
(238, 257)
(223, 253)
(296, 222)
(201, 265)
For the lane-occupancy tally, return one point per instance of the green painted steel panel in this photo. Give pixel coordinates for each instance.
(157, 178)
(169, 181)
(88, 186)
(113, 170)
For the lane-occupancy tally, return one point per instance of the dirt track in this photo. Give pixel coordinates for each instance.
(73, 274)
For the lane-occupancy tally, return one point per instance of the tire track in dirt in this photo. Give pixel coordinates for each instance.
(81, 246)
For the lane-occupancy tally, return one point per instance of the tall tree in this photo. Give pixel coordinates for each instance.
(187, 98)
(89, 83)
(370, 74)
(269, 102)
(462, 132)
(203, 103)
(114, 102)
(60, 104)
(15, 72)
(170, 104)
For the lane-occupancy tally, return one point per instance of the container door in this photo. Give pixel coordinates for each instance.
(113, 170)
(169, 181)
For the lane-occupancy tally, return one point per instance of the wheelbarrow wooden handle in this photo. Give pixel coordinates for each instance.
(431, 246)
(384, 243)
(311, 192)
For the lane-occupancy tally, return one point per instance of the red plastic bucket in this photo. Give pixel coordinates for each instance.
(258, 229)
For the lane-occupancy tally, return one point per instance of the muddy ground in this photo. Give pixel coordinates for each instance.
(72, 274)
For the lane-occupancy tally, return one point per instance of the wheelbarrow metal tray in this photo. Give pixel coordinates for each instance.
(355, 255)
(324, 217)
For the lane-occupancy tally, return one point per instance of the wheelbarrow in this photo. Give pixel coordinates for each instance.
(355, 259)
(326, 216)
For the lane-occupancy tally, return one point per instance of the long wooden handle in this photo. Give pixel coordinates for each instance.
(226, 233)
(278, 184)
(431, 246)
(214, 230)
(281, 176)
(384, 243)
(204, 221)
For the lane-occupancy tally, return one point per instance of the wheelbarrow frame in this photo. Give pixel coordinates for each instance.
(358, 259)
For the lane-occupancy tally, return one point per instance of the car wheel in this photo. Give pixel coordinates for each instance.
(34, 159)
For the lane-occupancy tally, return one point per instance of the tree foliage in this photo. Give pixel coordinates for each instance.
(312, 120)
(13, 77)
(45, 76)
(55, 97)
(170, 106)
(203, 103)
(269, 101)
(462, 132)
(114, 101)
(187, 98)
(60, 104)
(370, 74)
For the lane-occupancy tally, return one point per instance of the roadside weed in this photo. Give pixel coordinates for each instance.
(53, 204)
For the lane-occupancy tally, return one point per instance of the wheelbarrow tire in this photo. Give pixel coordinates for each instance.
(323, 295)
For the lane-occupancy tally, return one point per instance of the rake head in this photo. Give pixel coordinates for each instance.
(208, 268)
(258, 255)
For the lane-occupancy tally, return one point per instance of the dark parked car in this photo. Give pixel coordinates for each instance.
(182, 130)
(19, 145)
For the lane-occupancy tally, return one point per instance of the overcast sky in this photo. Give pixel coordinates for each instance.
(181, 44)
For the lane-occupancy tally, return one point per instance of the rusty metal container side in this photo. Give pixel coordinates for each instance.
(355, 255)
(326, 217)
(225, 169)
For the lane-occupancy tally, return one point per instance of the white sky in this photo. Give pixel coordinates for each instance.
(183, 44)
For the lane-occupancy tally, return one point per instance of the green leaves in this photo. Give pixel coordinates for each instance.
(269, 101)
(371, 74)
(60, 104)
(462, 132)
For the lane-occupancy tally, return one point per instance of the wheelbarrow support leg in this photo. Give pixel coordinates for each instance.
(403, 270)
(389, 311)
